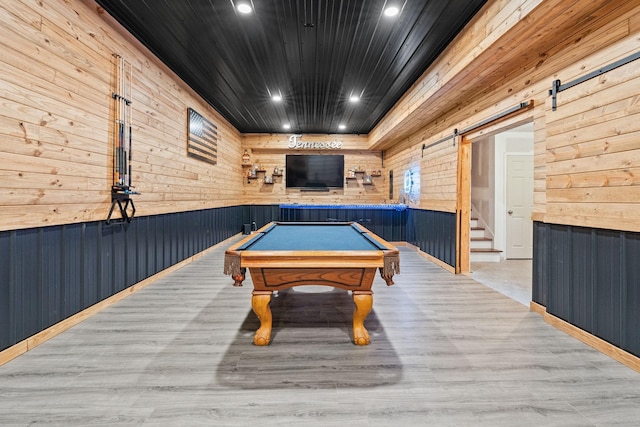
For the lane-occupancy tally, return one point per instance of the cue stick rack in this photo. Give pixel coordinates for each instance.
(122, 189)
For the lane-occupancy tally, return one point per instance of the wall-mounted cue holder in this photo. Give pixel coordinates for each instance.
(122, 189)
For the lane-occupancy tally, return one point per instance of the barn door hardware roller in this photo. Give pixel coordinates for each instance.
(557, 85)
(121, 189)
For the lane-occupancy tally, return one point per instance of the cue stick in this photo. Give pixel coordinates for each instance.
(120, 122)
(130, 100)
(123, 104)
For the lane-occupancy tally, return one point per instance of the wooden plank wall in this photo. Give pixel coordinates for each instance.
(270, 150)
(400, 161)
(593, 149)
(440, 169)
(591, 142)
(56, 122)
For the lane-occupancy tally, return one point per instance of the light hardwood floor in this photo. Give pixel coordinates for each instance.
(512, 277)
(445, 351)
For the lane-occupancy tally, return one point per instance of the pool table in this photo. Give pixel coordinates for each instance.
(282, 255)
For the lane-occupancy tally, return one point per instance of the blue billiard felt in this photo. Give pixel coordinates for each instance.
(304, 237)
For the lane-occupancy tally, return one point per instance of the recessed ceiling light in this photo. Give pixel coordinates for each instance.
(341, 126)
(244, 8)
(276, 98)
(354, 98)
(286, 126)
(391, 11)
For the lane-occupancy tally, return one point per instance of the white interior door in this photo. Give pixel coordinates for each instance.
(519, 206)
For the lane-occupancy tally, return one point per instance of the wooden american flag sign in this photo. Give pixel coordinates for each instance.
(203, 138)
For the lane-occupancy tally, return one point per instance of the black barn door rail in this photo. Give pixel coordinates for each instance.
(504, 114)
(557, 86)
(441, 140)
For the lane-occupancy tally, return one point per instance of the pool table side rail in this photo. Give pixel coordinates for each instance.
(391, 253)
(235, 261)
(305, 259)
(235, 255)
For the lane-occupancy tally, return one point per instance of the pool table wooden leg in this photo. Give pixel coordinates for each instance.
(260, 303)
(363, 301)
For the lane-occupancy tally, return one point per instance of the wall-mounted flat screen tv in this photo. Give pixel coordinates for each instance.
(314, 171)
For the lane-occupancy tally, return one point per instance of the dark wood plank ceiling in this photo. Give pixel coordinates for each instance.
(315, 53)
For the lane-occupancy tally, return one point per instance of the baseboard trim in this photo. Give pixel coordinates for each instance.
(537, 308)
(33, 341)
(599, 344)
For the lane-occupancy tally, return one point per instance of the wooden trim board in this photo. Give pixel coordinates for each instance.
(599, 344)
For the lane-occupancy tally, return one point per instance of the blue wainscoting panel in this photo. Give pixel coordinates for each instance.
(260, 214)
(631, 296)
(560, 270)
(540, 264)
(608, 275)
(91, 263)
(7, 241)
(26, 289)
(52, 256)
(48, 274)
(72, 269)
(590, 278)
(387, 221)
(582, 278)
(434, 233)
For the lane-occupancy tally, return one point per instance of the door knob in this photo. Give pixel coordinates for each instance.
(509, 211)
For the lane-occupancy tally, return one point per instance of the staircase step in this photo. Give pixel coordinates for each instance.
(480, 243)
(480, 246)
(484, 255)
(476, 232)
